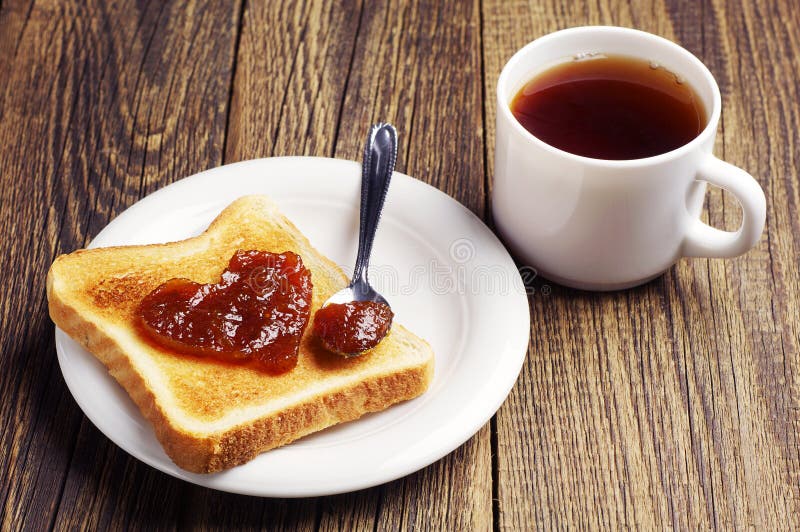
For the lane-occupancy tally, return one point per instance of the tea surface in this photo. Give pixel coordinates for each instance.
(610, 107)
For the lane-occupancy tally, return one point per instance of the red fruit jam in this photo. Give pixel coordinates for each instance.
(257, 312)
(350, 328)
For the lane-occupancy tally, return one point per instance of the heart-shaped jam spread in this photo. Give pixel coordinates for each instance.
(257, 312)
(354, 327)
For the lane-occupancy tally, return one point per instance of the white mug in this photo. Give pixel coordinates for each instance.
(606, 224)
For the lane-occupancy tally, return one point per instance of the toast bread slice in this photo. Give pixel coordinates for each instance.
(211, 415)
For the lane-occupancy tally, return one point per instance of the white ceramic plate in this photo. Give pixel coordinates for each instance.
(447, 277)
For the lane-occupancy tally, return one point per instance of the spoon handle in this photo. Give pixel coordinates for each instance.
(380, 154)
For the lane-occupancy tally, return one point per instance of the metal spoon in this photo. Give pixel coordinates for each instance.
(380, 154)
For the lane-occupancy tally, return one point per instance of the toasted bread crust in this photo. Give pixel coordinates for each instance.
(372, 385)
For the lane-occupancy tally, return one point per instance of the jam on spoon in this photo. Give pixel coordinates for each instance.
(353, 327)
(257, 312)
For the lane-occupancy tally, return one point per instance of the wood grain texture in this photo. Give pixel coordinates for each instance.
(676, 404)
(673, 404)
(103, 104)
(311, 85)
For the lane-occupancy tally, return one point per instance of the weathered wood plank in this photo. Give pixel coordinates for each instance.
(759, 293)
(14, 17)
(673, 404)
(417, 65)
(291, 73)
(103, 104)
(350, 66)
(291, 69)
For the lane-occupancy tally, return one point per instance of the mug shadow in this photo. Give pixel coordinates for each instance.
(540, 285)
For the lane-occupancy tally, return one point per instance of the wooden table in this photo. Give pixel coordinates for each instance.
(673, 404)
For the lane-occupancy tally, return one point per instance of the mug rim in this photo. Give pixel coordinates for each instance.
(709, 129)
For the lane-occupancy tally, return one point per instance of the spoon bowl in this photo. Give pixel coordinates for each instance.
(356, 293)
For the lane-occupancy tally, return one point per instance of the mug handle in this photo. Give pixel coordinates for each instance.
(701, 239)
